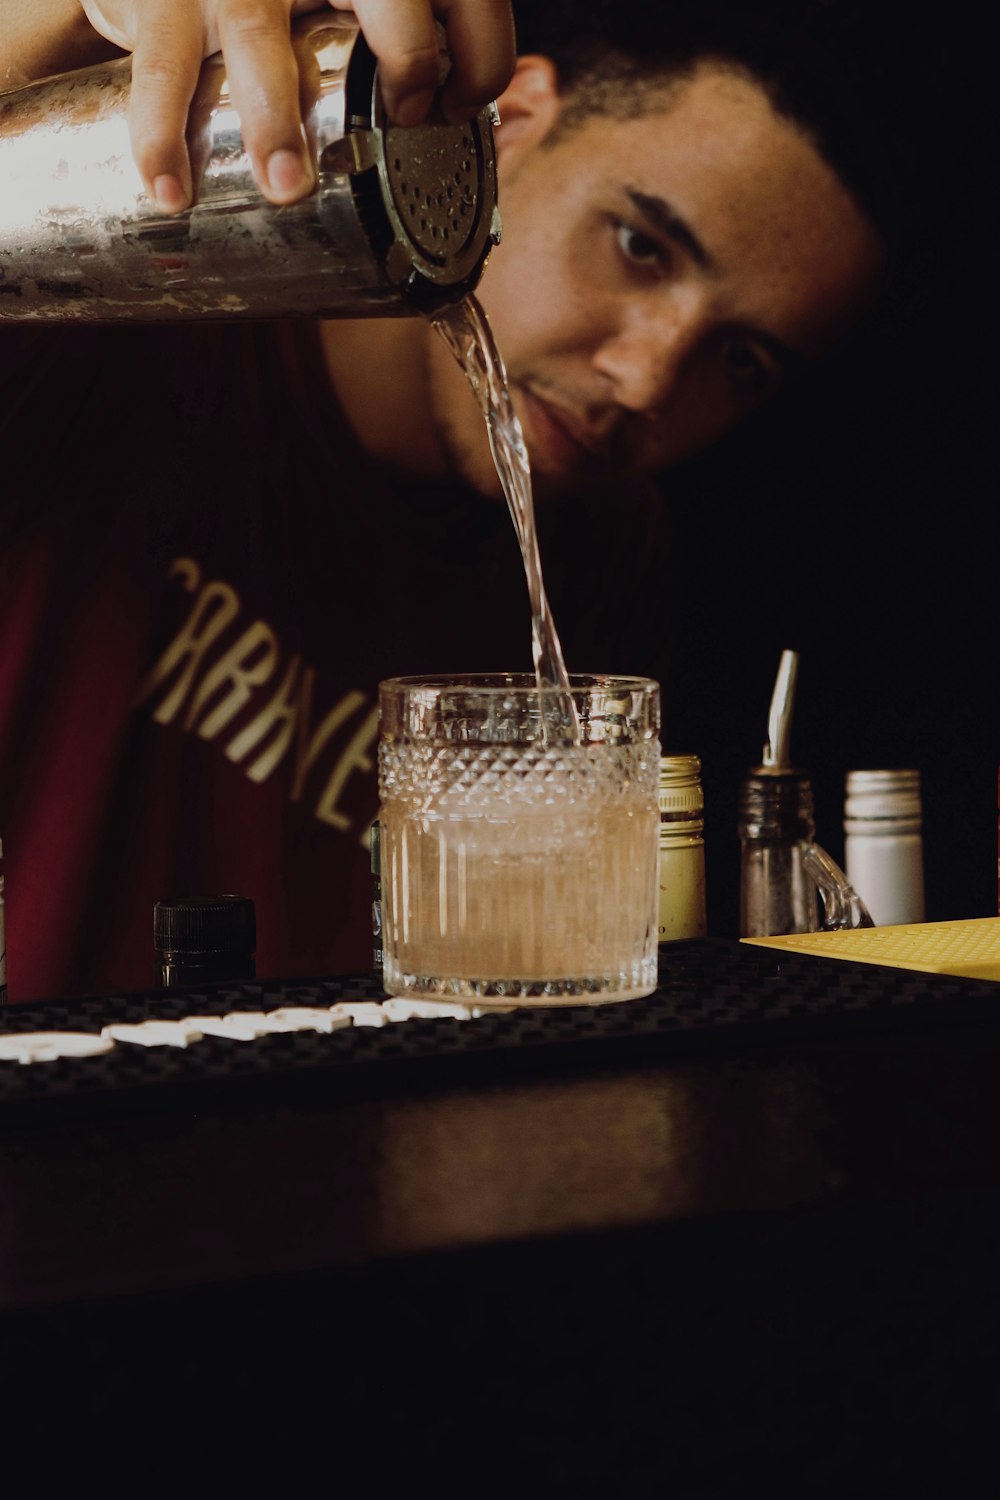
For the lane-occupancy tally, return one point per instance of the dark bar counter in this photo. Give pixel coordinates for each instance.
(741, 1236)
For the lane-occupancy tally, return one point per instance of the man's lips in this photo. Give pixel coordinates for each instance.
(561, 437)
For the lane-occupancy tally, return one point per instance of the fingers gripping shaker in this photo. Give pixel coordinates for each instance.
(401, 220)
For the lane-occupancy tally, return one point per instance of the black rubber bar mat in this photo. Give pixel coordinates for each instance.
(712, 994)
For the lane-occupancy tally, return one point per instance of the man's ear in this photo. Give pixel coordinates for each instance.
(529, 106)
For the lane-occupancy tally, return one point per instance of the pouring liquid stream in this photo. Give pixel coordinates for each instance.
(468, 335)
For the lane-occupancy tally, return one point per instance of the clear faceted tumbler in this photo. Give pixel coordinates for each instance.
(519, 864)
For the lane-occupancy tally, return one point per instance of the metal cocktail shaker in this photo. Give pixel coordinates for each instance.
(401, 221)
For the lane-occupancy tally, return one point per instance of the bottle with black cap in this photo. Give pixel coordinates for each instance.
(204, 940)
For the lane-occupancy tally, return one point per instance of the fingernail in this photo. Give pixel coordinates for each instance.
(169, 194)
(413, 108)
(287, 174)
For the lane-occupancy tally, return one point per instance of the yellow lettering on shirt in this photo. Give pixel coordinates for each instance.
(248, 663)
(307, 754)
(216, 605)
(213, 691)
(289, 711)
(283, 712)
(354, 758)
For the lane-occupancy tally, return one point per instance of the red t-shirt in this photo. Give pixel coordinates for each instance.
(202, 581)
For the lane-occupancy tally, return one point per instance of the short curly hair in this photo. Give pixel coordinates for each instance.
(845, 71)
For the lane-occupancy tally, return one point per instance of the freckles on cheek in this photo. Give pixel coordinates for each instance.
(591, 295)
(567, 300)
(539, 297)
(532, 315)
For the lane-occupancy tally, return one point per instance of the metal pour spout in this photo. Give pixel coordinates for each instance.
(779, 717)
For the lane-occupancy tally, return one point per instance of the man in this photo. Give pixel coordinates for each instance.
(217, 540)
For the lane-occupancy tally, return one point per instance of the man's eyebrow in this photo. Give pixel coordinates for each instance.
(658, 213)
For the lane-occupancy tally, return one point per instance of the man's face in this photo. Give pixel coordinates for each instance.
(659, 278)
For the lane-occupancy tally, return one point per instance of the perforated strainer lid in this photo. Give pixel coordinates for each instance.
(427, 192)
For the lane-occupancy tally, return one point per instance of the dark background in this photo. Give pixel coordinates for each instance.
(857, 526)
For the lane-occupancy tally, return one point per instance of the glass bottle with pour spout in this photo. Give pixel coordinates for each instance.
(784, 873)
(401, 220)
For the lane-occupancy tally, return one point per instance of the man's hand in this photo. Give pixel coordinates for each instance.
(170, 38)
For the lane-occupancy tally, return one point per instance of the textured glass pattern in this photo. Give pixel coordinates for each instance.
(514, 868)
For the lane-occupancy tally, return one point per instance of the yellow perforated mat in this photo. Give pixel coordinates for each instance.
(970, 948)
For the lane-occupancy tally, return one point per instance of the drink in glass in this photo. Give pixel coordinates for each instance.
(519, 849)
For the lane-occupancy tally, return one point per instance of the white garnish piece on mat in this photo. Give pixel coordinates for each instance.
(231, 1027)
(153, 1033)
(404, 1009)
(262, 1022)
(310, 1018)
(361, 1012)
(48, 1046)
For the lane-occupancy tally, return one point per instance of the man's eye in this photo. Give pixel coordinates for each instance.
(637, 247)
(745, 365)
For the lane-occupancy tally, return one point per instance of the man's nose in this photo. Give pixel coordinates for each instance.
(646, 355)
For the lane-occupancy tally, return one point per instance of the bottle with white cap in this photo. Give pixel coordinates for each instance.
(883, 844)
(682, 849)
